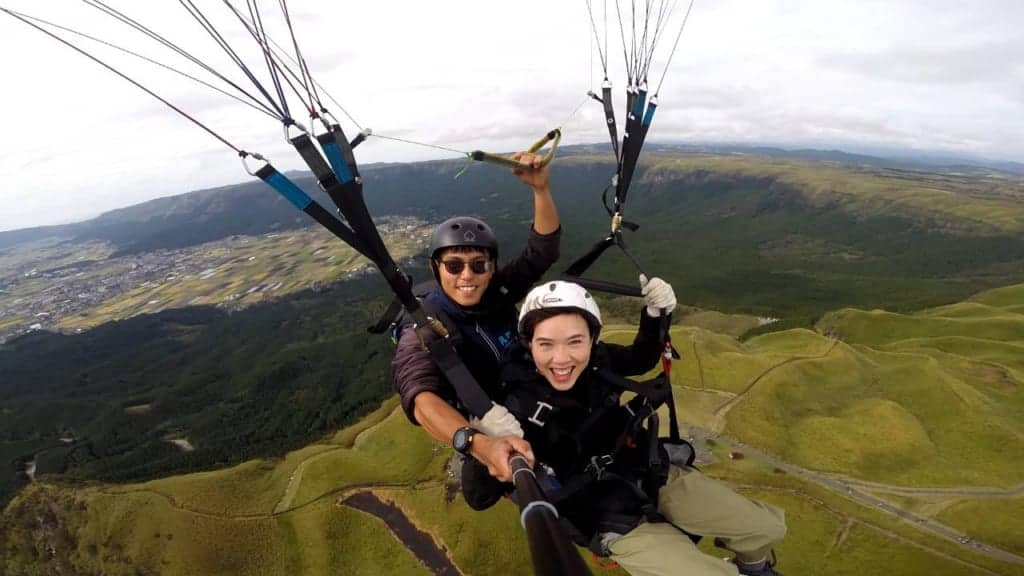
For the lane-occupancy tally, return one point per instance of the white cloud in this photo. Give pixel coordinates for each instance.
(934, 74)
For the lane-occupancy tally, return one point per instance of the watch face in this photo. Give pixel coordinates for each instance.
(462, 439)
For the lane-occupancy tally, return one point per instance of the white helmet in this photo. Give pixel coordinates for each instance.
(561, 294)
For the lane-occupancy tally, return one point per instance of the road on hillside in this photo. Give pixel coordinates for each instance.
(957, 492)
(854, 492)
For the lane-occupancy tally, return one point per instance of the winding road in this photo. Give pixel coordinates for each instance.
(855, 490)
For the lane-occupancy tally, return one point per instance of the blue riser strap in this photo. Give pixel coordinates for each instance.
(650, 113)
(333, 153)
(289, 190)
(638, 106)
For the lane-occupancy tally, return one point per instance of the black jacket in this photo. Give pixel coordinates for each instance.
(570, 430)
(485, 332)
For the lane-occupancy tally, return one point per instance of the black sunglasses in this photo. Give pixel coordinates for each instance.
(455, 267)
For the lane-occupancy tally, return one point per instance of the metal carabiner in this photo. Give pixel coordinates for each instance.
(287, 128)
(255, 155)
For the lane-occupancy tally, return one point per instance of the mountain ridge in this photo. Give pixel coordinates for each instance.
(253, 190)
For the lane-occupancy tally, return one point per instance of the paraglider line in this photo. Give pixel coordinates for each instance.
(113, 13)
(674, 46)
(150, 60)
(124, 76)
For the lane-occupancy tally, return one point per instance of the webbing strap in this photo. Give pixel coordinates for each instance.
(603, 286)
(640, 114)
(654, 468)
(574, 273)
(346, 190)
(554, 137)
(631, 144)
(285, 187)
(467, 389)
(387, 319)
(336, 155)
(666, 368)
(655, 394)
(652, 105)
(338, 150)
(581, 264)
(329, 183)
(303, 144)
(609, 117)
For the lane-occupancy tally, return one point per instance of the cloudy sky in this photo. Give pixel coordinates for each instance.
(932, 75)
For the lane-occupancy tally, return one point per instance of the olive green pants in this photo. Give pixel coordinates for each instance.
(699, 505)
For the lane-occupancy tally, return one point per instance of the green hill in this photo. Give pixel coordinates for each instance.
(888, 406)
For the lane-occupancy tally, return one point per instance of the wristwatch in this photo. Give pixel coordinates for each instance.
(463, 439)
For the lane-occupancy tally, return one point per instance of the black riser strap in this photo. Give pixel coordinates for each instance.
(302, 201)
(469, 392)
(584, 262)
(339, 152)
(365, 238)
(609, 118)
(304, 146)
(632, 142)
(603, 286)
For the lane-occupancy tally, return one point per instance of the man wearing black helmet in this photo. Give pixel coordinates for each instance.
(477, 301)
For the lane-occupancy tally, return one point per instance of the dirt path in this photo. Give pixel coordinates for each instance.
(417, 541)
(723, 410)
(295, 480)
(841, 536)
(339, 492)
(700, 367)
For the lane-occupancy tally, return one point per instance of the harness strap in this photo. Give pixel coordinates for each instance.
(392, 314)
(291, 192)
(387, 318)
(597, 468)
(466, 387)
(574, 273)
(342, 183)
(666, 368)
(339, 152)
(609, 116)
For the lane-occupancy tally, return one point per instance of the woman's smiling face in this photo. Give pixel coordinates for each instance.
(561, 349)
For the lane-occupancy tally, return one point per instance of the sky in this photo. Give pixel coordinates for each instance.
(924, 75)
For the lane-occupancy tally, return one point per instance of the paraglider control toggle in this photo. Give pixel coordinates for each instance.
(554, 137)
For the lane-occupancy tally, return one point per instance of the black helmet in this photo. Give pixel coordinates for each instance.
(463, 231)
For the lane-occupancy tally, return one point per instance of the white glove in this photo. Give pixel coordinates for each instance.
(497, 422)
(658, 295)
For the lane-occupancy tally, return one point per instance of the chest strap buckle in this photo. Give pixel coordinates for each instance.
(598, 464)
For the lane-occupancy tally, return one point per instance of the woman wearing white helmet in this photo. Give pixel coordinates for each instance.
(564, 385)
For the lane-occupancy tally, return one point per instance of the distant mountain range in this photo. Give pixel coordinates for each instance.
(248, 208)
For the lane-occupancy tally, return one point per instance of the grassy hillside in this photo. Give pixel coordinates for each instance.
(924, 415)
(930, 398)
(997, 521)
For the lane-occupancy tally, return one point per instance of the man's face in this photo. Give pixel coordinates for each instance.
(461, 276)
